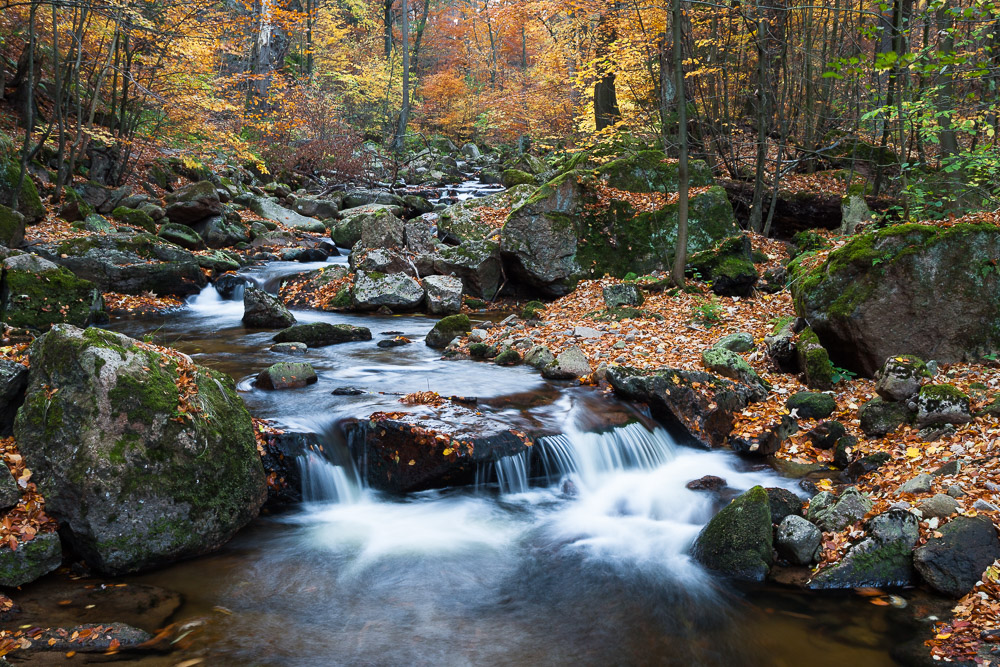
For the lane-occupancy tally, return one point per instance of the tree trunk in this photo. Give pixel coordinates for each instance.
(404, 114)
(680, 252)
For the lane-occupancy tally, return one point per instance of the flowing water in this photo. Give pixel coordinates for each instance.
(584, 564)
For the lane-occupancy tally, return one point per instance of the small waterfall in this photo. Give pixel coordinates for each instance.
(324, 482)
(512, 472)
(588, 455)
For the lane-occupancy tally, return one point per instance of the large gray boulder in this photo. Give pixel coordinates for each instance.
(222, 231)
(953, 563)
(143, 457)
(924, 290)
(466, 220)
(737, 541)
(193, 202)
(476, 263)
(271, 210)
(36, 293)
(362, 197)
(444, 294)
(397, 291)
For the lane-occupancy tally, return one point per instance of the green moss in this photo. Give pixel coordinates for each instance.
(458, 322)
(343, 298)
(812, 405)
(652, 171)
(814, 360)
(134, 218)
(508, 357)
(153, 391)
(474, 303)
(532, 309)
(943, 392)
(514, 177)
(39, 300)
(29, 203)
(738, 540)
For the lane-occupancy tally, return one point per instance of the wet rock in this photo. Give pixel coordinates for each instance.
(941, 505)
(797, 540)
(953, 563)
(396, 291)
(731, 365)
(132, 486)
(10, 492)
(833, 513)
(347, 391)
(539, 356)
(737, 541)
(289, 348)
(783, 503)
(883, 558)
(320, 334)
(194, 202)
(738, 342)
(223, 231)
(37, 293)
(706, 483)
(447, 329)
(91, 638)
(811, 404)
(769, 441)
(703, 403)
(942, 404)
(270, 209)
(444, 294)
(900, 377)
(406, 454)
(13, 382)
(264, 311)
(65, 603)
(826, 435)
(622, 294)
(880, 417)
(507, 357)
(398, 341)
(286, 375)
(232, 286)
(570, 364)
(30, 560)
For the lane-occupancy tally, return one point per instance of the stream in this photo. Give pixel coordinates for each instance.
(586, 565)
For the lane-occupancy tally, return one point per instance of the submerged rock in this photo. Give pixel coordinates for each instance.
(286, 375)
(143, 457)
(737, 541)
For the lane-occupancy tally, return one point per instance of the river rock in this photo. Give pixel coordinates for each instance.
(707, 483)
(444, 294)
(833, 513)
(30, 561)
(13, 382)
(539, 356)
(379, 260)
(476, 263)
(131, 263)
(942, 404)
(362, 197)
(417, 452)
(900, 377)
(703, 403)
(91, 638)
(880, 295)
(37, 293)
(270, 209)
(883, 558)
(447, 329)
(769, 441)
(940, 505)
(397, 291)
(264, 311)
(797, 540)
(879, 417)
(11, 227)
(737, 541)
(222, 231)
(953, 563)
(182, 235)
(286, 375)
(811, 404)
(137, 474)
(569, 364)
(919, 484)
(297, 349)
(232, 285)
(471, 151)
(382, 230)
(465, 221)
(193, 202)
(320, 334)
(731, 365)
(782, 503)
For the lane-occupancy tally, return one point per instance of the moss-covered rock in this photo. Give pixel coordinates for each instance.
(731, 365)
(622, 294)
(29, 204)
(532, 310)
(320, 334)
(900, 377)
(736, 342)
(74, 207)
(36, 294)
(193, 202)
(883, 558)
(907, 289)
(807, 241)
(737, 541)
(95, 224)
(728, 267)
(811, 404)
(942, 404)
(652, 171)
(446, 329)
(182, 235)
(139, 468)
(880, 417)
(508, 357)
(814, 360)
(11, 227)
(134, 218)
(514, 177)
(31, 560)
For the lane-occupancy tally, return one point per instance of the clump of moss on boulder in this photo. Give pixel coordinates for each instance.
(728, 267)
(737, 542)
(446, 329)
(37, 293)
(811, 404)
(134, 218)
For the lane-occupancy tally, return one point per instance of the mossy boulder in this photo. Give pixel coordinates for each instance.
(731, 365)
(31, 560)
(942, 404)
(814, 360)
(74, 207)
(900, 377)
(880, 417)
(533, 310)
(652, 171)
(11, 227)
(264, 311)
(134, 218)
(446, 329)
(883, 558)
(476, 263)
(36, 293)
(194, 202)
(728, 267)
(507, 357)
(622, 294)
(320, 334)
(220, 231)
(811, 404)
(464, 220)
(513, 177)
(143, 457)
(29, 204)
(736, 342)
(925, 290)
(95, 224)
(287, 375)
(182, 235)
(737, 542)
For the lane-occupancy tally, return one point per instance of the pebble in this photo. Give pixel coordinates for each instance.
(955, 491)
